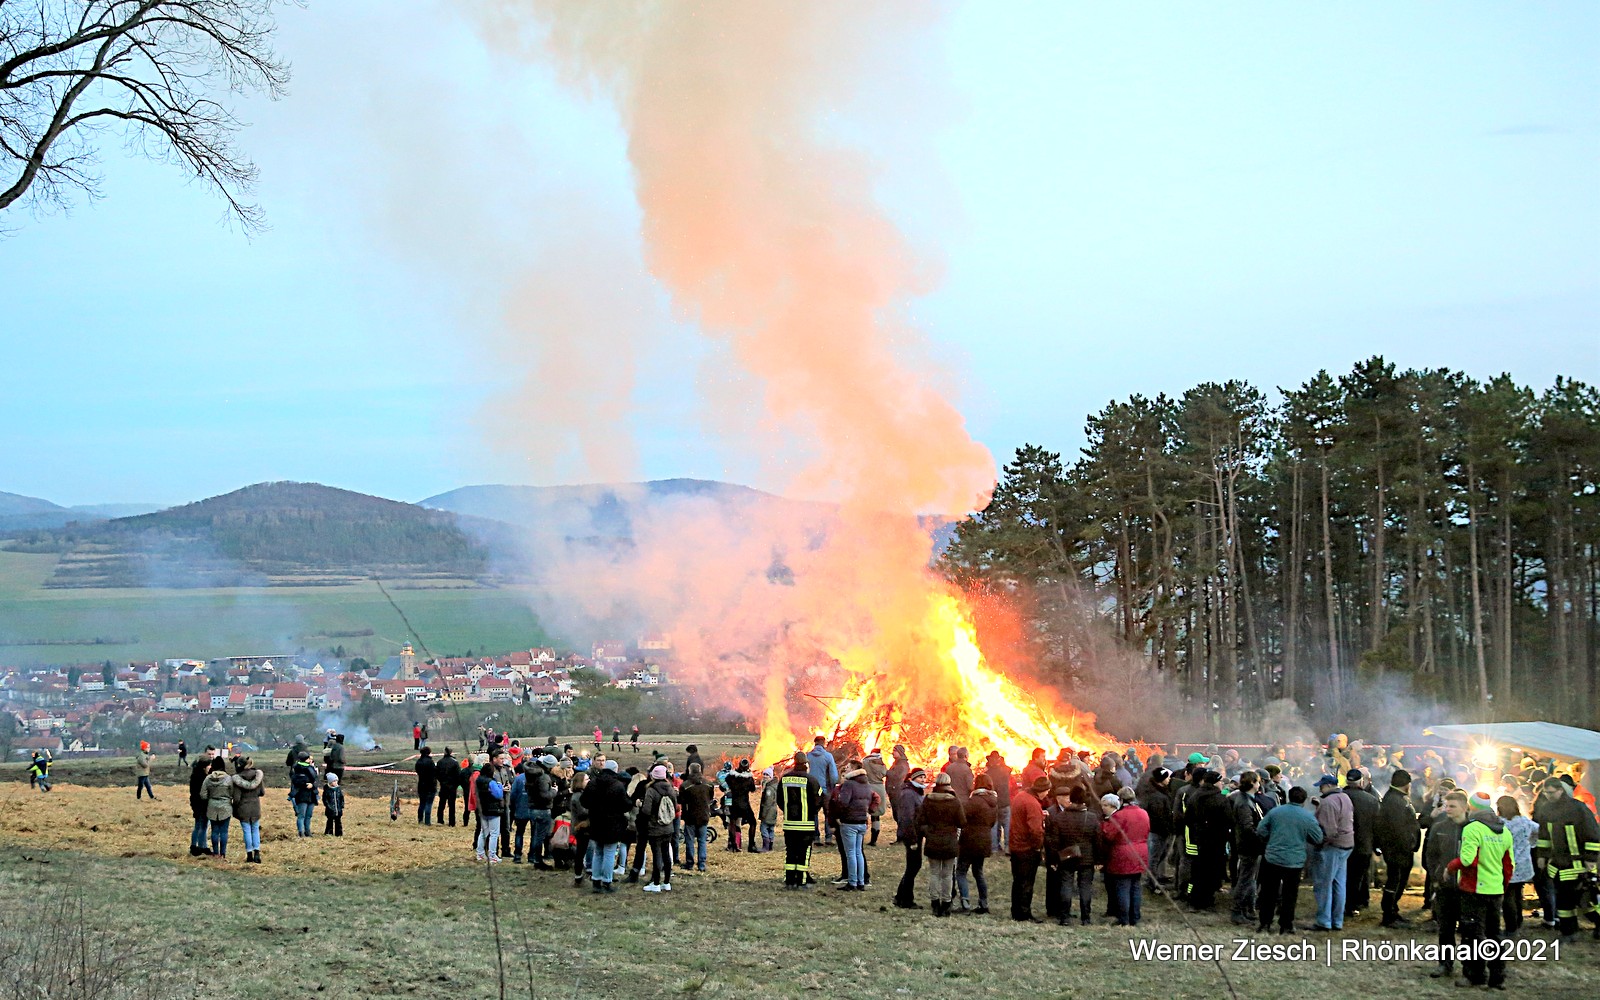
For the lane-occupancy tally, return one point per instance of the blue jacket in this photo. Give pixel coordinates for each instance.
(821, 765)
(519, 798)
(1286, 830)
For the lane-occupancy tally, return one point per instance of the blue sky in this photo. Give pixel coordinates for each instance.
(1122, 201)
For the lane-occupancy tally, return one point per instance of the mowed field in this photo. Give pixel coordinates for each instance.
(148, 624)
(397, 910)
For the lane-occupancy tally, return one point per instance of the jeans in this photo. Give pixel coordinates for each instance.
(853, 836)
(488, 836)
(1000, 836)
(975, 864)
(144, 786)
(769, 834)
(539, 837)
(1328, 888)
(603, 862)
(695, 839)
(219, 836)
(1244, 885)
(197, 837)
(1279, 892)
(1126, 895)
(425, 810)
(252, 835)
(302, 817)
(519, 830)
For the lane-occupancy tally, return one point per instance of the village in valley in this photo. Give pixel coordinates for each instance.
(100, 709)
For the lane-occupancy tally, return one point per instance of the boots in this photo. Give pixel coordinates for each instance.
(874, 841)
(733, 839)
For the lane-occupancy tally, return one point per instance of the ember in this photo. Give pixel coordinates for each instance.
(934, 691)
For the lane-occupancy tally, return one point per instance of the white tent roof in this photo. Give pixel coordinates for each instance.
(1545, 737)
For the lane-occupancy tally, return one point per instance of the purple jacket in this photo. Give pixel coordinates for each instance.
(1337, 816)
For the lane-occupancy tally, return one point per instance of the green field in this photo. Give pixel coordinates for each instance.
(149, 624)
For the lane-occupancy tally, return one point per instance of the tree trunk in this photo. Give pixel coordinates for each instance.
(1335, 681)
(1477, 607)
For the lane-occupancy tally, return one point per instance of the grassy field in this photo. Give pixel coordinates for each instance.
(147, 624)
(397, 910)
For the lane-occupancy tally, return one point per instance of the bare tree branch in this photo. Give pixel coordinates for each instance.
(153, 68)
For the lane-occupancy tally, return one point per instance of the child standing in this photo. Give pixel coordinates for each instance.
(333, 806)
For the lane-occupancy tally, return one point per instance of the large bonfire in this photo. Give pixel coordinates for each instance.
(934, 690)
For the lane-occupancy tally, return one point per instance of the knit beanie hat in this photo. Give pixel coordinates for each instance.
(1480, 800)
(657, 773)
(611, 766)
(942, 780)
(1111, 800)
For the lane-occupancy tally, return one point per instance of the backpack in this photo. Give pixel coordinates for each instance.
(666, 810)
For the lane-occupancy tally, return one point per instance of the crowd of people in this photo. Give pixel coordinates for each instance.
(1259, 822)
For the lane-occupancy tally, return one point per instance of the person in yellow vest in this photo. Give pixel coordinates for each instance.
(800, 801)
(1484, 866)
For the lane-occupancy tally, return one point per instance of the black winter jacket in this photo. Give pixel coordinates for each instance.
(1071, 834)
(1364, 806)
(1396, 831)
(427, 776)
(607, 802)
(939, 824)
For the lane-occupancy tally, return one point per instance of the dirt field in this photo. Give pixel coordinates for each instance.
(397, 910)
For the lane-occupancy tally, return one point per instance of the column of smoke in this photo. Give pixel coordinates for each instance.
(766, 235)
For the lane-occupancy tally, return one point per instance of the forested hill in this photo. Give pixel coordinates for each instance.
(1411, 523)
(302, 533)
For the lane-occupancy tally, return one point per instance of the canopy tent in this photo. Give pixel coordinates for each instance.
(1565, 742)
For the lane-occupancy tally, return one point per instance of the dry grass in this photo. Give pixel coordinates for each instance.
(343, 917)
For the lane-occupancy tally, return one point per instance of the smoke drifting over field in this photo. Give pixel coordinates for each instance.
(762, 229)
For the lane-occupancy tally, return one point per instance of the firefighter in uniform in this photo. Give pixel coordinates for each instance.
(1568, 845)
(800, 800)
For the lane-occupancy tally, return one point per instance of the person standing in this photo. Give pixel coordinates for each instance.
(1071, 835)
(742, 785)
(636, 738)
(427, 787)
(769, 809)
(1336, 815)
(939, 823)
(878, 781)
(911, 792)
(1207, 828)
(333, 760)
(303, 792)
(1523, 831)
(1125, 840)
(607, 803)
(599, 738)
(695, 796)
(1442, 847)
(1156, 801)
(141, 769)
(1245, 814)
(217, 790)
(659, 813)
(248, 787)
(416, 736)
(853, 802)
(332, 805)
(894, 779)
(183, 754)
(999, 774)
(821, 765)
(197, 801)
(960, 772)
(448, 774)
(1365, 806)
(977, 843)
(616, 738)
(1569, 841)
(1285, 832)
(1396, 835)
(489, 797)
(800, 801)
(1482, 869)
(540, 787)
(1027, 845)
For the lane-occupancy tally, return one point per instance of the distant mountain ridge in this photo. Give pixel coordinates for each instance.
(25, 513)
(266, 534)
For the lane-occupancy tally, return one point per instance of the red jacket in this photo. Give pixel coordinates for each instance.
(1127, 838)
(1027, 824)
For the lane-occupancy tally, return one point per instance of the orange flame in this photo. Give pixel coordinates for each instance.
(934, 689)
